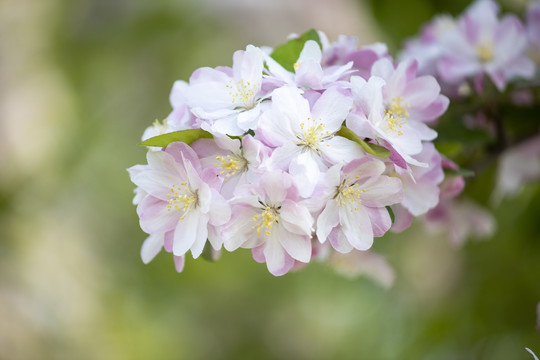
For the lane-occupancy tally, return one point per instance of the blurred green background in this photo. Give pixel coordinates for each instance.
(79, 82)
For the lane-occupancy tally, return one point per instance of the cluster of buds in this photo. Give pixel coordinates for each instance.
(303, 152)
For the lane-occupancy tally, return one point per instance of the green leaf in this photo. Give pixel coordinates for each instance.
(207, 253)
(287, 54)
(373, 149)
(458, 172)
(391, 213)
(185, 136)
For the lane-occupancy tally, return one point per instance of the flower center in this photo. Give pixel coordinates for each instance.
(181, 198)
(313, 135)
(265, 220)
(396, 115)
(243, 93)
(348, 193)
(485, 51)
(230, 165)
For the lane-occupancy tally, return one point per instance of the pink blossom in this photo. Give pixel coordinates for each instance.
(228, 99)
(460, 219)
(354, 197)
(237, 161)
(268, 219)
(421, 184)
(182, 198)
(406, 95)
(304, 139)
(386, 123)
(483, 44)
(308, 70)
(345, 50)
(517, 166)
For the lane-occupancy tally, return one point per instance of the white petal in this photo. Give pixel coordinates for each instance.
(151, 247)
(185, 233)
(311, 51)
(295, 218)
(327, 220)
(154, 216)
(305, 172)
(332, 107)
(240, 228)
(202, 234)
(297, 246)
(156, 183)
(220, 211)
(357, 227)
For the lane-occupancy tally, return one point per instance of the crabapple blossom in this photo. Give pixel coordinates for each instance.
(238, 161)
(484, 44)
(309, 73)
(354, 197)
(268, 219)
(304, 140)
(296, 165)
(407, 96)
(228, 100)
(183, 198)
(388, 123)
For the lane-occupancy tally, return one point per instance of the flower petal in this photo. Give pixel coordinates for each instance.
(151, 247)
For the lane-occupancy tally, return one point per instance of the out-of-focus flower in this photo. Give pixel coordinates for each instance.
(533, 31)
(460, 219)
(517, 166)
(483, 44)
(426, 49)
(358, 263)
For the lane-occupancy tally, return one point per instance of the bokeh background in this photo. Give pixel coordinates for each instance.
(79, 82)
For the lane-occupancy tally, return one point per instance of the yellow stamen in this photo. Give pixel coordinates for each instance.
(183, 199)
(243, 93)
(313, 135)
(396, 115)
(265, 220)
(348, 193)
(230, 165)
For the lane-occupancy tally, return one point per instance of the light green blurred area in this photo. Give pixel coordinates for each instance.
(79, 82)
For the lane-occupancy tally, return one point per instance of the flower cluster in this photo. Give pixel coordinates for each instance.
(488, 64)
(296, 157)
(462, 52)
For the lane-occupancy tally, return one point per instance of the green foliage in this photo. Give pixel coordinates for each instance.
(287, 54)
(185, 136)
(370, 148)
